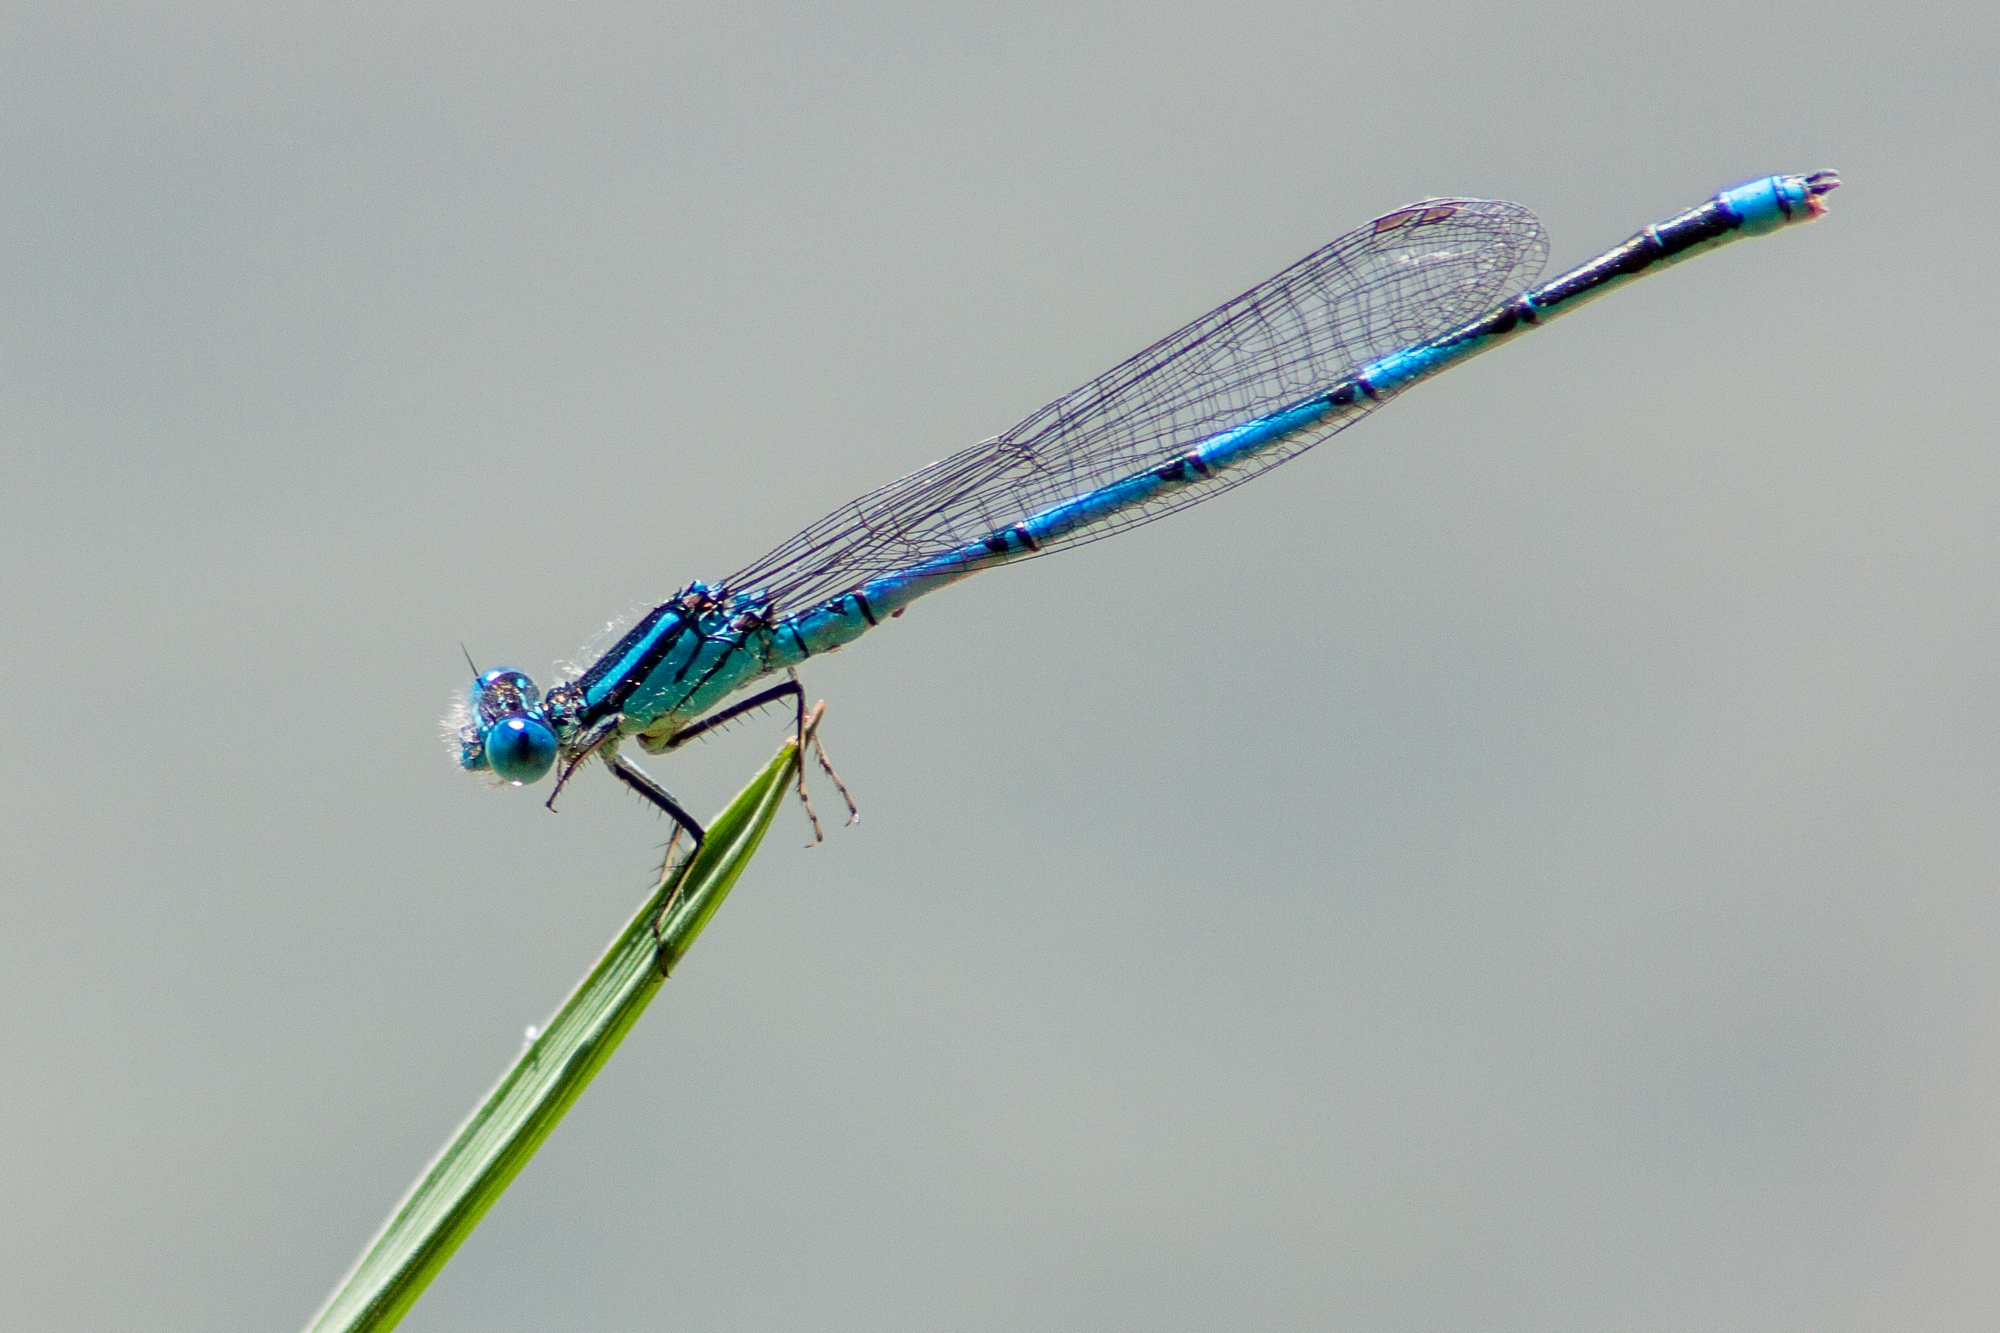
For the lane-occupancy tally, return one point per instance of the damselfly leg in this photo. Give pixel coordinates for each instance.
(805, 725)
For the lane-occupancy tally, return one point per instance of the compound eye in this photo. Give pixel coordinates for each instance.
(520, 748)
(505, 693)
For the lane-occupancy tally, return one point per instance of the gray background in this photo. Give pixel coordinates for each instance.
(1528, 865)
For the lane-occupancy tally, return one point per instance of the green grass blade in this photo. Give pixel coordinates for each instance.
(492, 1146)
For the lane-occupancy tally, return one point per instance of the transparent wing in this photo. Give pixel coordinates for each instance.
(1401, 279)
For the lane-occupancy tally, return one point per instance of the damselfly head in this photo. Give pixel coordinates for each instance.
(504, 728)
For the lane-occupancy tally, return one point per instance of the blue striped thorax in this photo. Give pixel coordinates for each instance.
(669, 665)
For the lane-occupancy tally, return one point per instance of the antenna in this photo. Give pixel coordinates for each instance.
(469, 662)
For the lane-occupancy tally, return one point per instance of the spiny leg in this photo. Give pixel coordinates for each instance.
(796, 692)
(667, 861)
(634, 777)
(605, 732)
(826, 764)
(567, 772)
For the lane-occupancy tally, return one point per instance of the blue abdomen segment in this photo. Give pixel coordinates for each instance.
(1765, 205)
(1756, 209)
(847, 617)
